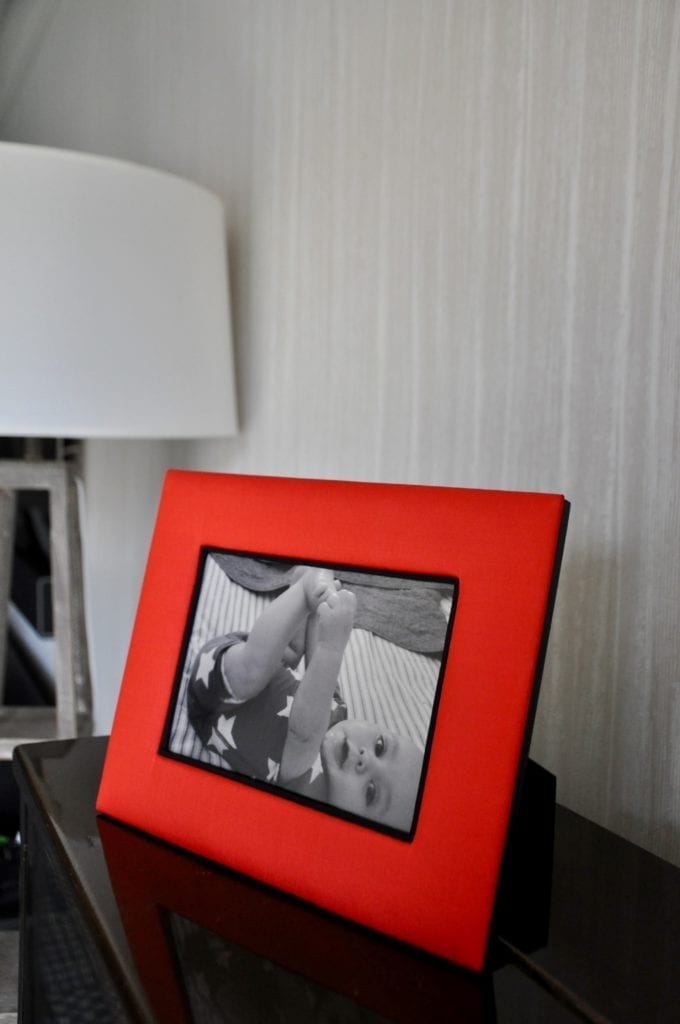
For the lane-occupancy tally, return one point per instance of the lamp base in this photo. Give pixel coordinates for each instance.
(71, 715)
(31, 725)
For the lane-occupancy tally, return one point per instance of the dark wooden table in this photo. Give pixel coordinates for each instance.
(117, 926)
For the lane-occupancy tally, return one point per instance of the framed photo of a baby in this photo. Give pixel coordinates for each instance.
(330, 688)
(320, 681)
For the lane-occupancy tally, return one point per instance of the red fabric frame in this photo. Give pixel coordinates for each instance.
(436, 892)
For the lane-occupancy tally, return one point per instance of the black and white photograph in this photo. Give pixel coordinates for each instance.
(316, 680)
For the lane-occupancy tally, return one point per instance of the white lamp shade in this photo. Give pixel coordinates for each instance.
(114, 302)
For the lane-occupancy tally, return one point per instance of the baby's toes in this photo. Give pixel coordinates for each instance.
(332, 588)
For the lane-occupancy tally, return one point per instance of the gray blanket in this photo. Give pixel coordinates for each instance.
(406, 612)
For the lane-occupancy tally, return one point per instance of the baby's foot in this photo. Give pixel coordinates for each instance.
(317, 584)
(336, 619)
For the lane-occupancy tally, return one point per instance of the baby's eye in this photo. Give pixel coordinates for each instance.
(380, 746)
(371, 793)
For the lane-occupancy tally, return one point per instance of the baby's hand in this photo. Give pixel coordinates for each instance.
(336, 619)
(318, 585)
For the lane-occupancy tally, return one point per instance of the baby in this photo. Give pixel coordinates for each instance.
(245, 703)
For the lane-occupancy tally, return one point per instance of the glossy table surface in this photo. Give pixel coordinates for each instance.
(173, 931)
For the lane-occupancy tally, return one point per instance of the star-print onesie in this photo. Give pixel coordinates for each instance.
(249, 735)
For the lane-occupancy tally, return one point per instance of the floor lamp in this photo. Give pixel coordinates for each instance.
(114, 322)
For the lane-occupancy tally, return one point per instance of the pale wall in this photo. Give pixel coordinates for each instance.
(455, 241)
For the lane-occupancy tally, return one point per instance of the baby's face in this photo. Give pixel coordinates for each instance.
(372, 772)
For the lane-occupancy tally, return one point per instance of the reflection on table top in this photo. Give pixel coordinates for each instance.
(612, 951)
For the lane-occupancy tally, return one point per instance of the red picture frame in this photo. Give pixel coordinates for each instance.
(437, 890)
